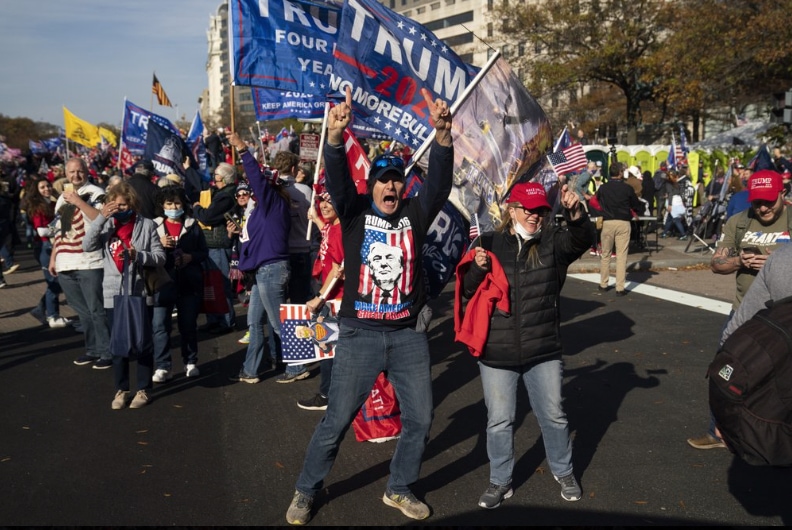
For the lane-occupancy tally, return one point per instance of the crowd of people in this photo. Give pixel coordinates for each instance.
(277, 237)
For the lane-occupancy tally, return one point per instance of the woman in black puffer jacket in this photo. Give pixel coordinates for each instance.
(525, 344)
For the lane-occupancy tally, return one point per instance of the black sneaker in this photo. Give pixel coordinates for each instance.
(494, 495)
(103, 364)
(82, 360)
(570, 489)
(318, 402)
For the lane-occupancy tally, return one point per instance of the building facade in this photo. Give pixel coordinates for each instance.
(216, 99)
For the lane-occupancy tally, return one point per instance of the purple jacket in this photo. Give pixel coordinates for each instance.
(265, 236)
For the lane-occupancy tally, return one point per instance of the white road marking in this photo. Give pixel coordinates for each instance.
(700, 302)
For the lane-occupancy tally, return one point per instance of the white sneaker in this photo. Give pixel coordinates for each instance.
(57, 322)
(191, 370)
(161, 375)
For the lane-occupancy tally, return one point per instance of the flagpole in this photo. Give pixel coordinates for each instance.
(558, 142)
(121, 140)
(458, 103)
(318, 161)
(233, 126)
(261, 141)
(151, 99)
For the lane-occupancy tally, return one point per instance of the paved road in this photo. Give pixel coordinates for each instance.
(212, 452)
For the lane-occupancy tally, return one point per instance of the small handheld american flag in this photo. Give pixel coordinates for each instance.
(474, 227)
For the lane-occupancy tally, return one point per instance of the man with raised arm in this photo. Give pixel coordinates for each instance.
(382, 326)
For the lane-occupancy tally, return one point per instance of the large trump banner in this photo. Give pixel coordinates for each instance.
(283, 44)
(386, 59)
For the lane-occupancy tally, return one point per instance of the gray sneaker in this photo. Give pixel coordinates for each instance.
(494, 495)
(291, 378)
(408, 504)
(299, 511)
(570, 489)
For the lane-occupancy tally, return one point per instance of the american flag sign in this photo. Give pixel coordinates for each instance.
(307, 338)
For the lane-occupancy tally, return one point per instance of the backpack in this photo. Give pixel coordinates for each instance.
(750, 387)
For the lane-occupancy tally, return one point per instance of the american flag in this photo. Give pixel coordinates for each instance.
(675, 155)
(573, 158)
(683, 141)
(474, 227)
(402, 240)
(296, 348)
(162, 97)
(567, 156)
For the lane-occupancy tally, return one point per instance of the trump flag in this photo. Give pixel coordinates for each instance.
(281, 44)
(386, 59)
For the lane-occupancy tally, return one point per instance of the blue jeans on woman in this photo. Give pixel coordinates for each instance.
(187, 306)
(266, 296)
(49, 304)
(360, 356)
(543, 382)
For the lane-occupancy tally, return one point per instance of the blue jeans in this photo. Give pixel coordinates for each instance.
(361, 355)
(221, 258)
(49, 304)
(674, 222)
(83, 290)
(266, 296)
(145, 366)
(187, 322)
(543, 382)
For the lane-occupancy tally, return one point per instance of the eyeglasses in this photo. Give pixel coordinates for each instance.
(242, 194)
(541, 212)
(388, 161)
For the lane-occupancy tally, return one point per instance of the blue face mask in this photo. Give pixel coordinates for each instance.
(174, 214)
(124, 216)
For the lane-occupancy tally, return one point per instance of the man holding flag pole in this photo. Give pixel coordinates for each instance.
(382, 317)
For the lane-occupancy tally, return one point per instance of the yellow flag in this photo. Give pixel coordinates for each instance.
(108, 135)
(79, 130)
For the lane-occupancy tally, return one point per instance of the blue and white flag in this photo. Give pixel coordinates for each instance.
(52, 144)
(386, 59)
(37, 148)
(445, 242)
(762, 160)
(283, 44)
(197, 148)
(165, 149)
(271, 104)
(135, 126)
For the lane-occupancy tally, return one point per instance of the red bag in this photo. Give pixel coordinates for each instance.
(214, 300)
(379, 419)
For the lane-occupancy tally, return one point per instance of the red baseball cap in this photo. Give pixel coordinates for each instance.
(765, 185)
(531, 195)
